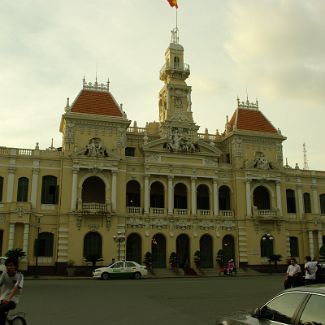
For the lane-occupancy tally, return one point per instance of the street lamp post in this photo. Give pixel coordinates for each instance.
(119, 238)
(38, 224)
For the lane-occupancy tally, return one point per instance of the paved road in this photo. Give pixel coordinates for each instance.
(152, 301)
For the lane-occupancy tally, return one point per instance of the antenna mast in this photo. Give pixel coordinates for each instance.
(305, 157)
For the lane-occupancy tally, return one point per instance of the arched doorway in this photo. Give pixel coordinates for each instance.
(224, 198)
(183, 251)
(133, 248)
(157, 195)
(158, 249)
(228, 246)
(206, 251)
(180, 196)
(93, 190)
(261, 198)
(202, 197)
(92, 245)
(266, 244)
(133, 194)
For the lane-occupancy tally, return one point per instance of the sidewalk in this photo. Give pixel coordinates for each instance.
(161, 274)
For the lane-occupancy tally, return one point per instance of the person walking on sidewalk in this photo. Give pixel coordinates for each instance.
(11, 284)
(310, 270)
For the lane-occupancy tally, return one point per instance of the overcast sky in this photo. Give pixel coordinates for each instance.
(272, 49)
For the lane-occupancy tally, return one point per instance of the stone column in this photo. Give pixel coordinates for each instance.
(278, 197)
(300, 201)
(193, 195)
(146, 194)
(315, 197)
(311, 243)
(25, 240)
(35, 171)
(114, 176)
(11, 236)
(10, 185)
(320, 239)
(248, 199)
(170, 195)
(215, 198)
(74, 190)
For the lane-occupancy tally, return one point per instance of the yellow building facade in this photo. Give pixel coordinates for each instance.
(116, 190)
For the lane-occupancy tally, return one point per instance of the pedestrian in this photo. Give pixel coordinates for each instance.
(310, 270)
(230, 267)
(293, 274)
(11, 284)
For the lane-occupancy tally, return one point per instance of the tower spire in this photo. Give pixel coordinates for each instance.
(306, 167)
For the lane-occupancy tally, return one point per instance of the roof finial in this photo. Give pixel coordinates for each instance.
(67, 107)
(96, 83)
(108, 82)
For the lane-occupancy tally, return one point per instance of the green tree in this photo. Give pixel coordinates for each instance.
(197, 258)
(221, 258)
(275, 258)
(93, 259)
(173, 260)
(148, 260)
(16, 253)
(322, 253)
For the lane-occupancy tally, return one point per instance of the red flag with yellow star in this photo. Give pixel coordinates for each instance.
(173, 3)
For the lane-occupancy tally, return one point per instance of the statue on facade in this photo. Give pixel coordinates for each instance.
(94, 148)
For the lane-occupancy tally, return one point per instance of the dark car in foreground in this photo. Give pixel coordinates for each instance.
(296, 306)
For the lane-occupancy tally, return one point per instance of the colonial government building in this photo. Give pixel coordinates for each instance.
(117, 190)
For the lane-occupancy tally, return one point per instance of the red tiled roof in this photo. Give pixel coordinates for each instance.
(251, 120)
(96, 102)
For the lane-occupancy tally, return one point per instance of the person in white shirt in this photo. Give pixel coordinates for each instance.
(11, 284)
(293, 274)
(310, 271)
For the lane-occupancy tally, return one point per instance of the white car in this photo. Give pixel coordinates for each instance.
(121, 269)
(2, 264)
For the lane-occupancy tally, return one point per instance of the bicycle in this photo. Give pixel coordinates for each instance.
(17, 318)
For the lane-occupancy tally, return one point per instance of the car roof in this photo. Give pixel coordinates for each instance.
(314, 288)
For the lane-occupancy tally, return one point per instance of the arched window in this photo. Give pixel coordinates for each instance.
(224, 198)
(266, 244)
(291, 201)
(92, 245)
(50, 190)
(322, 203)
(93, 190)
(294, 247)
(157, 199)
(307, 205)
(44, 244)
(1, 186)
(261, 198)
(180, 196)
(22, 191)
(133, 194)
(202, 197)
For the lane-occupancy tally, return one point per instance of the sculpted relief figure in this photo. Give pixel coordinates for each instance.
(179, 143)
(94, 149)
